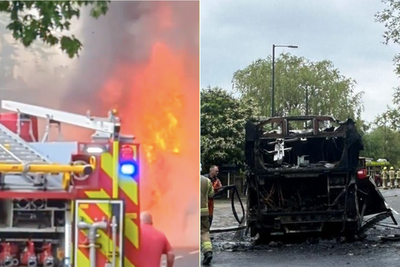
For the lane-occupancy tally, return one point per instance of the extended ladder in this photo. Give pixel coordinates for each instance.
(13, 149)
(104, 127)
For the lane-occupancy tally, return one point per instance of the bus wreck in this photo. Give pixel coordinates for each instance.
(305, 178)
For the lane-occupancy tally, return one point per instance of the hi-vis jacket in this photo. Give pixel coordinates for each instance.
(207, 191)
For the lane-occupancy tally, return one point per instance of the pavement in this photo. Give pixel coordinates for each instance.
(223, 215)
(372, 251)
(392, 197)
(184, 257)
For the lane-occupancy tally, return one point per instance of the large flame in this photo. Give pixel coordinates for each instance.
(161, 108)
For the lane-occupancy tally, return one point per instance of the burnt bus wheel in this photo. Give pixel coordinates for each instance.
(253, 231)
(264, 237)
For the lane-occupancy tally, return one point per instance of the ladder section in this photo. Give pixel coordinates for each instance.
(110, 125)
(14, 149)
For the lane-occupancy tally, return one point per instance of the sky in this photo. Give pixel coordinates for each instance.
(236, 32)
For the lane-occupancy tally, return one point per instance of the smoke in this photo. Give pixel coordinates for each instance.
(125, 36)
(108, 43)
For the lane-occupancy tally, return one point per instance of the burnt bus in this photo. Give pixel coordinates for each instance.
(305, 177)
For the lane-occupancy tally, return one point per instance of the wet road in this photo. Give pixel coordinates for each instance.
(370, 252)
(184, 257)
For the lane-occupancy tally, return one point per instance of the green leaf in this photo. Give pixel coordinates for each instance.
(70, 45)
(4, 5)
(29, 36)
(53, 15)
(51, 39)
(100, 8)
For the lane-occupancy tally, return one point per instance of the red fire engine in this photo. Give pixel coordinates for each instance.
(67, 203)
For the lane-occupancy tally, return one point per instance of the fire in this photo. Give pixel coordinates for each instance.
(161, 109)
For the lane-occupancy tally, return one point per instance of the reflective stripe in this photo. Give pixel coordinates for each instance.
(207, 191)
(204, 211)
(210, 189)
(206, 247)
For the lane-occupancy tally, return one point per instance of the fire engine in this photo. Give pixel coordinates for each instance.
(67, 203)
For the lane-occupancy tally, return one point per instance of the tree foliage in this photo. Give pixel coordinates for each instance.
(390, 18)
(383, 139)
(329, 92)
(223, 118)
(391, 117)
(31, 20)
(382, 142)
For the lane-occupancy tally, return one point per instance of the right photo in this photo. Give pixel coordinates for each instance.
(299, 112)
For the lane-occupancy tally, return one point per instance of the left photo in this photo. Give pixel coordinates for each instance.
(99, 133)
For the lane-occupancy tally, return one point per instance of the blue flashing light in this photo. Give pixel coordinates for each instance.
(128, 168)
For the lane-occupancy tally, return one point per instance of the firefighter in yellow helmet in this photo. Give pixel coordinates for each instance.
(207, 191)
(384, 178)
(392, 177)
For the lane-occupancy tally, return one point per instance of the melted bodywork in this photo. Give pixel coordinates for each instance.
(304, 177)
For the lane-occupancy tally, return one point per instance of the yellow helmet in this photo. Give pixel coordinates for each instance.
(384, 168)
(392, 168)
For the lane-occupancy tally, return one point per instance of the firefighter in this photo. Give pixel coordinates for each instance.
(392, 176)
(216, 183)
(207, 192)
(384, 178)
(398, 178)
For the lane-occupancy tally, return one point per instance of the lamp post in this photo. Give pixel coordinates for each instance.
(273, 76)
(306, 99)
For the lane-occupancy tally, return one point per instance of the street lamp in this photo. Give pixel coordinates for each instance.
(306, 99)
(273, 76)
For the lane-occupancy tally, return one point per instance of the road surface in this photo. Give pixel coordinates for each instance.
(184, 257)
(370, 252)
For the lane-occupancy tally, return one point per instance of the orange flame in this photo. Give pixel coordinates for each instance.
(163, 114)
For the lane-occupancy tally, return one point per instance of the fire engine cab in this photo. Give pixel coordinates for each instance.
(67, 203)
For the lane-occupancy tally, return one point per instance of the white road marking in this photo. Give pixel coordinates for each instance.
(176, 258)
(394, 211)
(387, 206)
(164, 262)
